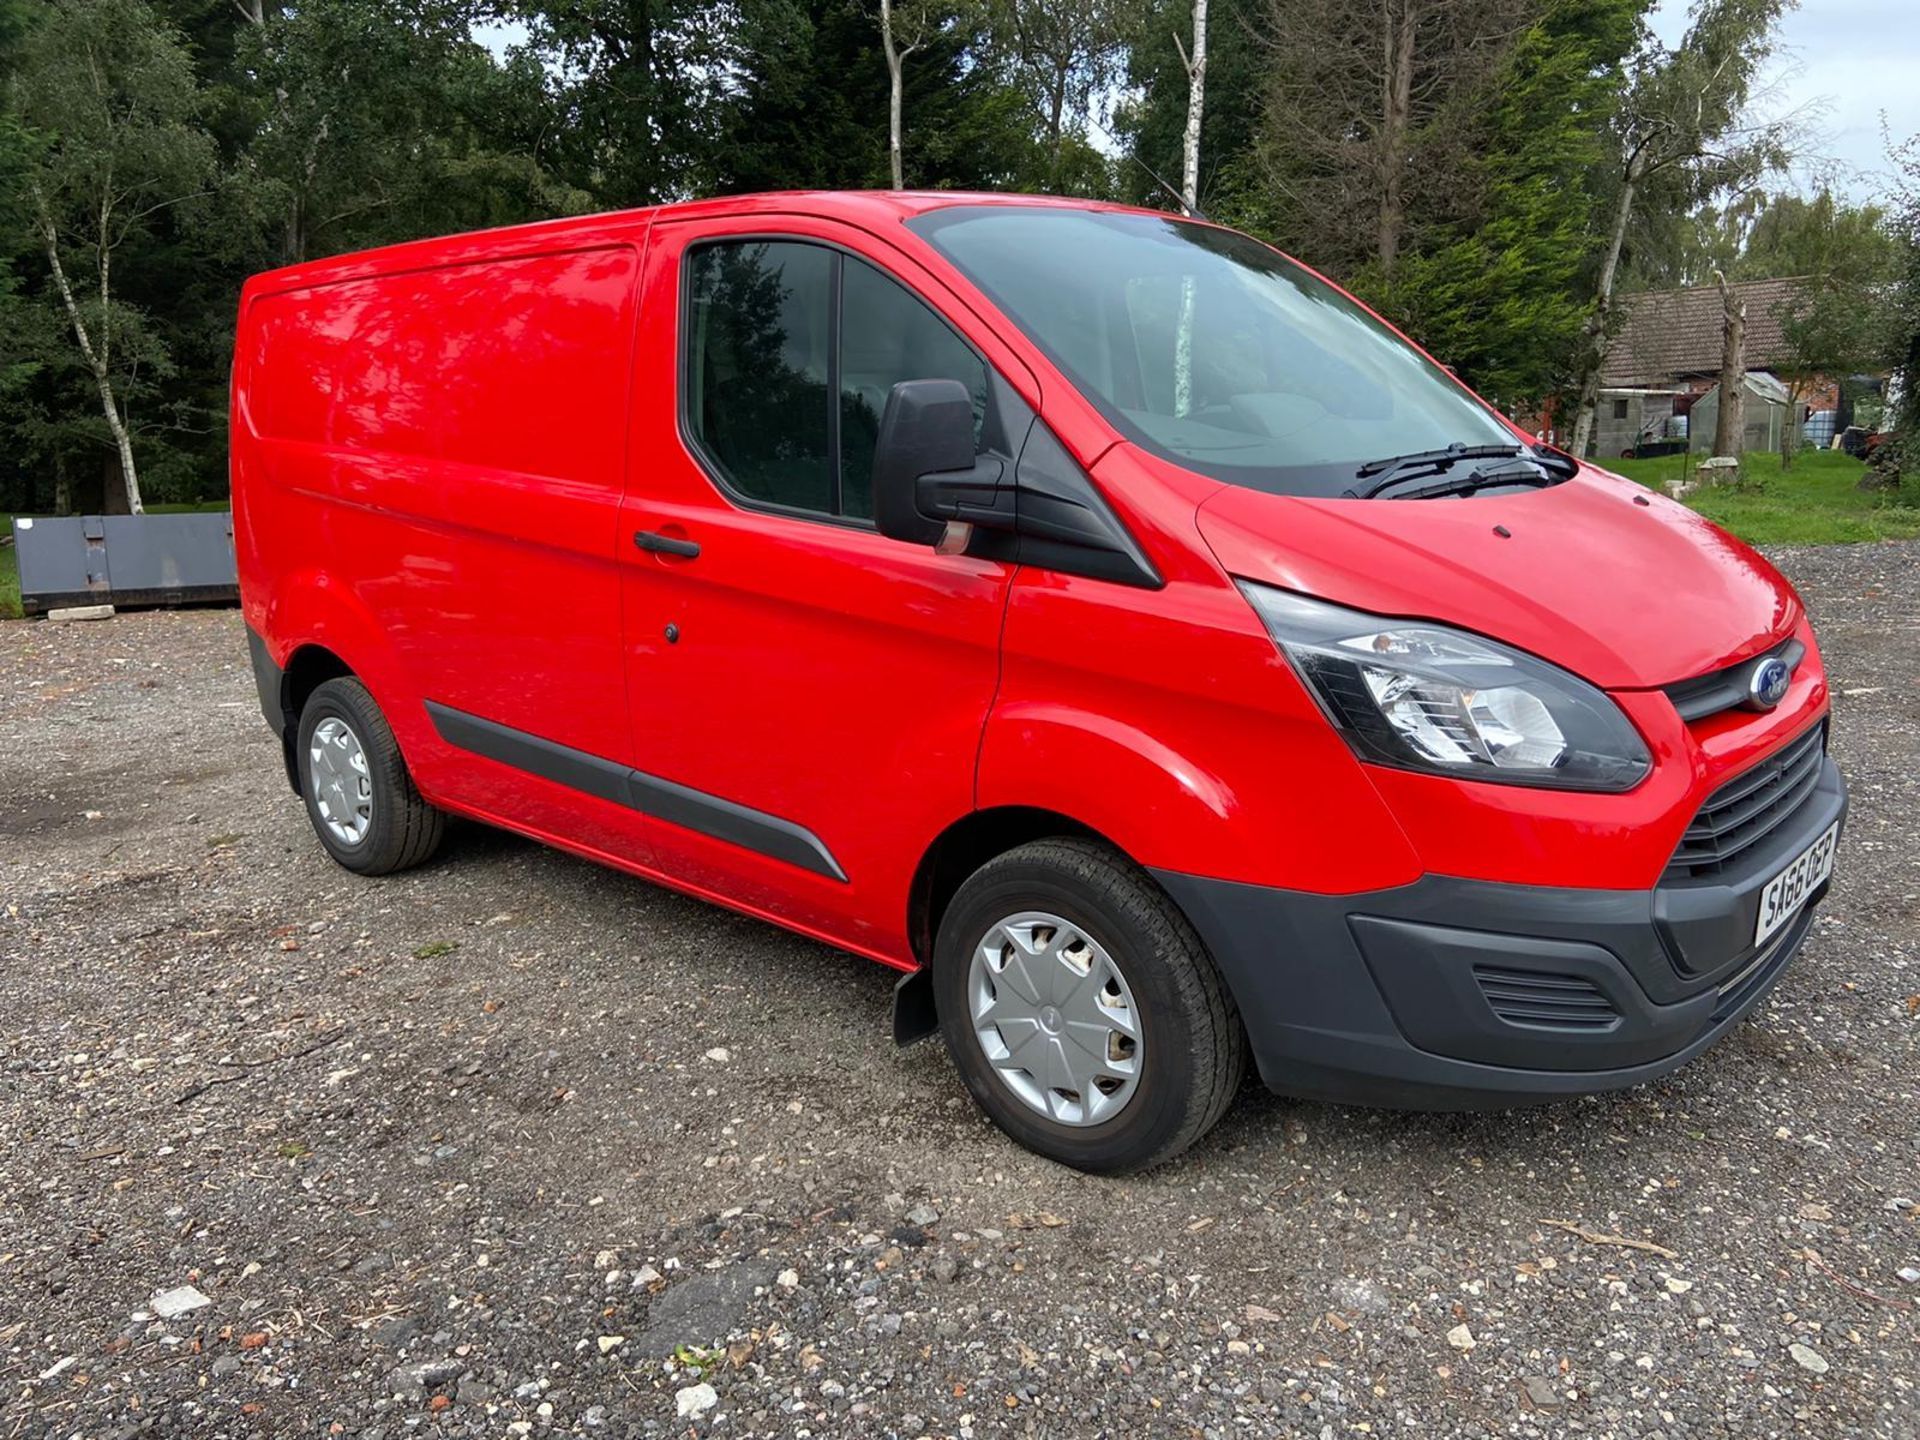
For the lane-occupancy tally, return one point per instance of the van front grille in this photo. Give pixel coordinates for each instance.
(1726, 688)
(1749, 807)
(1545, 1001)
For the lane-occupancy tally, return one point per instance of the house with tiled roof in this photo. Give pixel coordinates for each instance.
(1671, 338)
(1665, 354)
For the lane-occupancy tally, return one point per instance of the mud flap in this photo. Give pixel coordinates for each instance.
(914, 1014)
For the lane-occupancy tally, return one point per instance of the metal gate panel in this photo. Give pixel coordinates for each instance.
(125, 560)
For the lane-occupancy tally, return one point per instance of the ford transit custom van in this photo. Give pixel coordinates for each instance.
(1094, 615)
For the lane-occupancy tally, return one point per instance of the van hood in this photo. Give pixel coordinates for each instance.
(1625, 588)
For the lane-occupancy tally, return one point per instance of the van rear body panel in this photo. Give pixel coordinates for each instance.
(397, 460)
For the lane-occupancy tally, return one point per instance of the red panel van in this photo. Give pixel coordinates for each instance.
(1093, 614)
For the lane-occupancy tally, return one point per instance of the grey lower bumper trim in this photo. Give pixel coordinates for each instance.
(1454, 994)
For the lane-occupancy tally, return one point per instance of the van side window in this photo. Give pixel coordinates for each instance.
(768, 347)
(759, 380)
(888, 335)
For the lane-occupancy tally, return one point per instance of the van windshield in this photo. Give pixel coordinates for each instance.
(1209, 349)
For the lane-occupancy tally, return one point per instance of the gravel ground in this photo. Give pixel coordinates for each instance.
(513, 1145)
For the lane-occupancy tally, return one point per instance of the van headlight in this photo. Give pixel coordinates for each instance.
(1421, 696)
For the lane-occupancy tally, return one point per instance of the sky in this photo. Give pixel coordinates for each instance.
(1839, 66)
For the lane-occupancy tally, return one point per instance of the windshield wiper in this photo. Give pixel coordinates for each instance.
(1473, 480)
(1394, 468)
(1387, 473)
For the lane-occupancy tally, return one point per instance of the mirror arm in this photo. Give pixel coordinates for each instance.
(974, 497)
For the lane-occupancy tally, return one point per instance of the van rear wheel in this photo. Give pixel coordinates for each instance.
(360, 798)
(1083, 1012)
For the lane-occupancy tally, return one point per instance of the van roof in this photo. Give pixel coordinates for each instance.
(871, 209)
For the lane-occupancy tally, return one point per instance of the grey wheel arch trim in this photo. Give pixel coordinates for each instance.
(270, 685)
(651, 795)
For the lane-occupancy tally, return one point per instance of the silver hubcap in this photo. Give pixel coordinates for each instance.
(342, 789)
(1055, 1018)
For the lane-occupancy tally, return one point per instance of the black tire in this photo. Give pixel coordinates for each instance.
(1192, 1047)
(404, 830)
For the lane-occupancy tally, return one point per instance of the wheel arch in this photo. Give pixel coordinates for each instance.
(967, 844)
(321, 630)
(959, 850)
(308, 667)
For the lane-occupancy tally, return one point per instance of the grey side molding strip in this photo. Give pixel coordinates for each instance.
(649, 794)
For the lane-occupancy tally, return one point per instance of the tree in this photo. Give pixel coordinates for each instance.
(1729, 419)
(1833, 321)
(1900, 346)
(1816, 235)
(107, 90)
(1681, 140)
(1152, 119)
(378, 124)
(1062, 54)
(810, 78)
(14, 25)
(1756, 234)
(638, 85)
(905, 27)
(1195, 61)
(1481, 253)
(1372, 114)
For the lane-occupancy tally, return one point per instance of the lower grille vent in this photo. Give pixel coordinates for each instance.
(1544, 1001)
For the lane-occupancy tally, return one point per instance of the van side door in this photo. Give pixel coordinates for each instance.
(807, 696)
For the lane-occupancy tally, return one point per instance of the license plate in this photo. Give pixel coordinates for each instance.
(1787, 891)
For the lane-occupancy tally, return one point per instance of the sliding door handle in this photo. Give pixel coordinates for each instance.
(658, 544)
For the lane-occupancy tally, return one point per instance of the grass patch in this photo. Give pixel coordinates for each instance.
(1818, 502)
(9, 575)
(10, 558)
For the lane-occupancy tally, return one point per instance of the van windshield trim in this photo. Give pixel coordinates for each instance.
(1289, 385)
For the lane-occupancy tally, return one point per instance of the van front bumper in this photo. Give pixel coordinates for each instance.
(1451, 994)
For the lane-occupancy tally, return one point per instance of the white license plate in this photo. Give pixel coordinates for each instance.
(1787, 891)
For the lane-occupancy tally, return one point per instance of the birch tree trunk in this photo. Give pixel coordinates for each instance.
(1603, 314)
(893, 93)
(95, 356)
(1196, 105)
(1729, 428)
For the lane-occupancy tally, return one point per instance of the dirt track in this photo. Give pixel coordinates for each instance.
(478, 1149)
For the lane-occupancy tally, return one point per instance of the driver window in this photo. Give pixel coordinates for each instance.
(888, 335)
(766, 349)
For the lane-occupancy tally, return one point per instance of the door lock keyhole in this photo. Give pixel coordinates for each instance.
(673, 634)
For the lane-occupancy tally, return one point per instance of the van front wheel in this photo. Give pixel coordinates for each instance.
(360, 798)
(1083, 1012)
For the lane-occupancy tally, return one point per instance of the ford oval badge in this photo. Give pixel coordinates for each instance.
(1767, 684)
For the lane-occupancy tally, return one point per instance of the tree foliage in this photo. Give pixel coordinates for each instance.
(105, 97)
(1759, 234)
(1152, 120)
(1476, 169)
(1446, 161)
(1900, 324)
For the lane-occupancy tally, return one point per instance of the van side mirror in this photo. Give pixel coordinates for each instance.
(925, 471)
